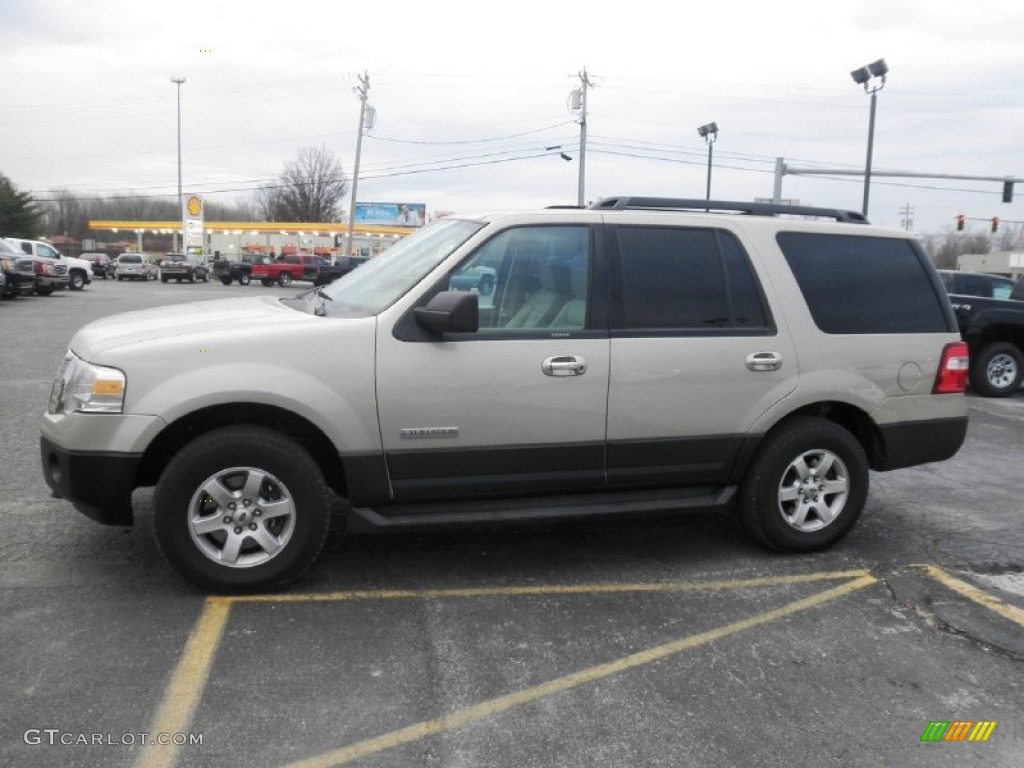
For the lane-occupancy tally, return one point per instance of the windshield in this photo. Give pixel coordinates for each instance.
(377, 284)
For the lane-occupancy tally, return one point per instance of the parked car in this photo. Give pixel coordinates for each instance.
(992, 324)
(311, 269)
(102, 265)
(640, 355)
(78, 271)
(50, 276)
(227, 270)
(181, 266)
(136, 266)
(480, 279)
(19, 274)
(977, 284)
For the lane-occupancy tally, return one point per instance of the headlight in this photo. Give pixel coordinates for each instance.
(87, 388)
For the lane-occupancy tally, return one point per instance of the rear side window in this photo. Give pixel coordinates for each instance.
(687, 279)
(855, 284)
(130, 259)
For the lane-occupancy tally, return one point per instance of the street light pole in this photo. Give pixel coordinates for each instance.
(872, 77)
(709, 133)
(181, 211)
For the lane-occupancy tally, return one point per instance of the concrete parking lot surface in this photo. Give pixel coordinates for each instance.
(647, 642)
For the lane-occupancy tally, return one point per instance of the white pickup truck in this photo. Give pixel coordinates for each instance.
(79, 271)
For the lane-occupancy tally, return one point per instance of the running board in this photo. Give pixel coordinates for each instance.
(435, 513)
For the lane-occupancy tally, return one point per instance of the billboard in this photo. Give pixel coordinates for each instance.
(391, 214)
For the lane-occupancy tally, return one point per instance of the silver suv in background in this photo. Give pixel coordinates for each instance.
(640, 355)
(135, 266)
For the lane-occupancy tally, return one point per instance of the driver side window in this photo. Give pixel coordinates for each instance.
(530, 279)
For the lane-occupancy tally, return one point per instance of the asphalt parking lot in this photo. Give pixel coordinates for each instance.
(654, 642)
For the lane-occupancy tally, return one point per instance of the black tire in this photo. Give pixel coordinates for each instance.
(266, 283)
(486, 285)
(192, 277)
(76, 280)
(284, 279)
(788, 515)
(225, 281)
(997, 369)
(244, 279)
(44, 291)
(229, 457)
(164, 279)
(120, 278)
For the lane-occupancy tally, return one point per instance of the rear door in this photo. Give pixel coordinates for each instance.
(696, 356)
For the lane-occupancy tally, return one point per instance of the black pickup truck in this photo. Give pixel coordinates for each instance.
(227, 271)
(994, 331)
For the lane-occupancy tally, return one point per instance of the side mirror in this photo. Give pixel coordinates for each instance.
(450, 312)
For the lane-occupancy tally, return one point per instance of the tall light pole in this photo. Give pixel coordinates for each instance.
(872, 77)
(181, 211)
(361, 90)
(709, 133)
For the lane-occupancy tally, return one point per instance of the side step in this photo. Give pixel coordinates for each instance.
(434, 513)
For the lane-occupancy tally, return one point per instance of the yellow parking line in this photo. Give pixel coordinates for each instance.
(186, 687)
(980, 596)
(582, 589)
(500, 704)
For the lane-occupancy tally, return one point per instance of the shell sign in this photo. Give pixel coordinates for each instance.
(194, 206)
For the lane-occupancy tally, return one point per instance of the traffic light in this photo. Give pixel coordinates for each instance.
(960, 222)
(1007, 191)
(995, 224)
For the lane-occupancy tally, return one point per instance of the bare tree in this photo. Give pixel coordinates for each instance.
(66, 214)
(948, 247)
(310, 188)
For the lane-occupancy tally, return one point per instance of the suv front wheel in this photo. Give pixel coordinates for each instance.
(806, 486)
(241, 509)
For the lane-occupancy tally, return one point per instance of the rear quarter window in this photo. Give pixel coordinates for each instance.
(855, 284)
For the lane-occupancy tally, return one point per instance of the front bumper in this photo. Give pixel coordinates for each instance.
(98, 484)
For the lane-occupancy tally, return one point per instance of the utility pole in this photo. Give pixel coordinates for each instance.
(361, 90)
(581, 94)
(907, 217)
(181, 210)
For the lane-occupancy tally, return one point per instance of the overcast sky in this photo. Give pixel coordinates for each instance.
(470, 95)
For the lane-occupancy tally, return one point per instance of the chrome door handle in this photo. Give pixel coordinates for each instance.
(764, 361)
(564, 365)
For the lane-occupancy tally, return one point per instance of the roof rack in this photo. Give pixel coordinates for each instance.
(729, 206)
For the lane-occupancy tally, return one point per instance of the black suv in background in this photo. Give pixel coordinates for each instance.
(977, 284)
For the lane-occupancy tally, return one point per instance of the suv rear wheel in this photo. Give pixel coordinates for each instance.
(997, 370)
(806, 486)
(241, 509)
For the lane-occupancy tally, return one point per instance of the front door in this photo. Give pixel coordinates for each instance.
(518, 407)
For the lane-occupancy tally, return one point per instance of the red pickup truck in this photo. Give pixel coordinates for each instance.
(313, 269)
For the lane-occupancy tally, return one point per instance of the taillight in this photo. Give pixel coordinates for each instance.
(953, 368)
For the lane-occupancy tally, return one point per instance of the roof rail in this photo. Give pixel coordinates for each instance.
(729, 206)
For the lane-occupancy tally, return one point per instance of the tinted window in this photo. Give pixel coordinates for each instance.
(674, 278)
(133, 259)
(855, 284)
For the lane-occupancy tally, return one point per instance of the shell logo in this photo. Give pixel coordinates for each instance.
(194, 206)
